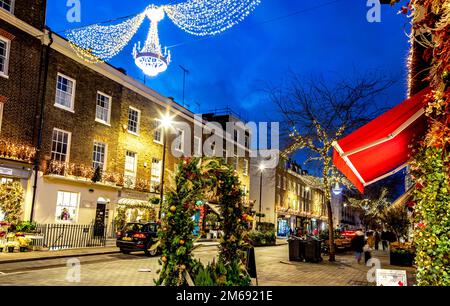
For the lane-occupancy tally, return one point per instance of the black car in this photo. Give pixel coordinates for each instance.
(138, 237)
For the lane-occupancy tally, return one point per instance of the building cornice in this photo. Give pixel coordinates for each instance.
(20, 24)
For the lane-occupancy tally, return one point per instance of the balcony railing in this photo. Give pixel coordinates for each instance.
(85, 173)
(15, 151)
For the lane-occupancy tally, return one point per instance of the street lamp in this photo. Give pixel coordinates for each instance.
(261, 169)
(166, 123)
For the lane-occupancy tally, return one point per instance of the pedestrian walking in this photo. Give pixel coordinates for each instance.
(368, 247)
(384, 240)
(357, 245)
(377, 240)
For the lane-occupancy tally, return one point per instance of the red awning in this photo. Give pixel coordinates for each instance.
(380, 148)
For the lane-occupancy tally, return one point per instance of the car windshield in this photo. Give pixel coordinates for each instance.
(133, 227)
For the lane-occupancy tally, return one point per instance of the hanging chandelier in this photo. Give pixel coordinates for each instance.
(150, 59)
(98, 43)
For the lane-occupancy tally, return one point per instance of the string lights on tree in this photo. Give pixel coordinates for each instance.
(99, 43)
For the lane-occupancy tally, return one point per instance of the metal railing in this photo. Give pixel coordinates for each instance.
(72, 236)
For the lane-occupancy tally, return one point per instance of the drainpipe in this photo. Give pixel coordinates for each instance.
(41, 115)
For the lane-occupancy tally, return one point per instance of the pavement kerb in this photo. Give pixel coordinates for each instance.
(17, 260)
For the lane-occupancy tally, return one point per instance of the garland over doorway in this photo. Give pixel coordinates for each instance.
(195, 180)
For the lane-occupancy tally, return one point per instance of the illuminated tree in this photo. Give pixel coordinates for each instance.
(316, 114)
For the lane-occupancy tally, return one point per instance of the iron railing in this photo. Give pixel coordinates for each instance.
(72, 236)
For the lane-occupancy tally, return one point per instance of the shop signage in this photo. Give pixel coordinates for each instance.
(392, 278)
(6, 171)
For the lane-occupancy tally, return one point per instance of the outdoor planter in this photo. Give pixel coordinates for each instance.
(23, 249)
(401, 257)
(1, 249)
(11, 249)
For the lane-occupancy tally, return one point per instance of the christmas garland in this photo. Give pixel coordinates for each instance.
(195, 180)
(431, 162)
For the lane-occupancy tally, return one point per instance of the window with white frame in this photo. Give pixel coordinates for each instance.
(245, 190)
(245, 167)
(7, 5)
(103, 110)
(279, 181)
(65, 92)
(155, 180)
(197, 146)
(236, 163)
(4, 55)
(284, 183)
(247, 141)
(279, 200)
(60, 145)
(130, 169)
(133, 120)
(179, 141)
(158, 132)
(67, 206)
(99, 156)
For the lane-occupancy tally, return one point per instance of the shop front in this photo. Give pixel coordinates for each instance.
(15, 172)
(283, 226)
(72, 201)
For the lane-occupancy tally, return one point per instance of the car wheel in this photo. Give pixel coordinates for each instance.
(125, 252)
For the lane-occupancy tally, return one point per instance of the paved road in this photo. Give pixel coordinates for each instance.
(138, 270)
(100, 270)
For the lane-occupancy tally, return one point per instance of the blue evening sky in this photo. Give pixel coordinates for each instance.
(229, 69)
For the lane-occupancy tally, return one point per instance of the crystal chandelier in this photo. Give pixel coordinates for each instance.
(97, 43)
(150, 59)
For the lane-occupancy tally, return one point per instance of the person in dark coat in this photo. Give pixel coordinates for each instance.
(357, 245)
(377, 239)
(384, 240)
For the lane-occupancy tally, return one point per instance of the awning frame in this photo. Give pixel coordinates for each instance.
(400, 129)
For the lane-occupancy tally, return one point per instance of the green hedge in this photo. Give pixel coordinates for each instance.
(267, 238)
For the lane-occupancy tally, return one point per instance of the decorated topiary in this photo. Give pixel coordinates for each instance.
(194, 180)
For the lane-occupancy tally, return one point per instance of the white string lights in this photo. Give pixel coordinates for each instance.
(198, 17)
(209, 17)
(101, 43)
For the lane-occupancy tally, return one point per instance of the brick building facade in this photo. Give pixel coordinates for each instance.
(94, 116)
(20, 62)
(291, 199)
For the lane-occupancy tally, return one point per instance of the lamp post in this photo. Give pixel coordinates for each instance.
(166, 122)
(261, 169)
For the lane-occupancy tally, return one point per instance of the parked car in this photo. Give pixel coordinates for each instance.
(137, 236)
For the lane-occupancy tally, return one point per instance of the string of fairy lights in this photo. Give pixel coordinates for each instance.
(97, 42)
(202, 18)
(101, 43)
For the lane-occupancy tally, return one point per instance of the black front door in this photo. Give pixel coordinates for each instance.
(99, 223)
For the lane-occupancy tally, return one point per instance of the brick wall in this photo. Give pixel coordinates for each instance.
(20, 89)
(85, 130)
(31, 11)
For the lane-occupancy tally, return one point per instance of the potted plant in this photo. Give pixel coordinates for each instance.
(402, 254)
(2, 246)
(24, 244)
(11, 245)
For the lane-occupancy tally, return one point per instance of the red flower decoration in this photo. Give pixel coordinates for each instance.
(421, 225)
(411, 204)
